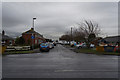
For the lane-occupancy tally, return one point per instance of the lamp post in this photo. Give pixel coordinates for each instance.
(33, 22)
(33, 34)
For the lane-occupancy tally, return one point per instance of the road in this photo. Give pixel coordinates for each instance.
(60, 62)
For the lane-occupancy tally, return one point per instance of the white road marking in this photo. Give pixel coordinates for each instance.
(86, 70)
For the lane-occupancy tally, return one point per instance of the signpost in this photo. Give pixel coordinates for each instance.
(32, 37)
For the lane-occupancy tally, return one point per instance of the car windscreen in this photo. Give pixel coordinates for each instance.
(44, 44)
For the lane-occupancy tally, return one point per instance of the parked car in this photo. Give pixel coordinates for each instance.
(60, 42)
(81, 45)
(92, 45)
(65, 43)
(51, 45)
(73, 43)
(54, 43)
(44, 47)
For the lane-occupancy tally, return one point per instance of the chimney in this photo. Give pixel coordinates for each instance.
(32, 29)
(3, 32)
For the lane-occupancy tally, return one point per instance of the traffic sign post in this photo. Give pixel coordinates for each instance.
(32, 37)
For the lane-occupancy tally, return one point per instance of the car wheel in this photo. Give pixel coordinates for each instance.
(41, 50)
(80, 47)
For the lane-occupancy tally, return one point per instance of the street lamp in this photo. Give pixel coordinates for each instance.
(33, 22)
(33, 34)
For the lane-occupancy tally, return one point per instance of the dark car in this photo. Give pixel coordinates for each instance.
(54, 43)
(44, 47)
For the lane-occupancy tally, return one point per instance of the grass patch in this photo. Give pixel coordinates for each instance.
(92, 51)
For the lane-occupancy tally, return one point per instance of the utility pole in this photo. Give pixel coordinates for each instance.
(33, 35)
(71, 33)
(33, 22)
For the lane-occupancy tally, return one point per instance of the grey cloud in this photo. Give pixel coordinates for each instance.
(54, 19)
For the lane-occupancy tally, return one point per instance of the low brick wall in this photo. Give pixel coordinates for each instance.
(17, 48)
(2, 49)
(107, 48)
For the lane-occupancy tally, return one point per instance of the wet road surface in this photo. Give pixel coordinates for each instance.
(60, 62)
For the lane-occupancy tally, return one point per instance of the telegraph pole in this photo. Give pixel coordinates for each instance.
(33, 22)
(71, 33)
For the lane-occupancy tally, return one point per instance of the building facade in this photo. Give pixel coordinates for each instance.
(32, 37)
(113, 39)
(6, 40)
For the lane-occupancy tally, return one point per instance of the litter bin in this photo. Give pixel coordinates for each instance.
(99, 48)
(117, 49)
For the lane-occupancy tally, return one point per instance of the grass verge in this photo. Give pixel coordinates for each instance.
(18, 52)
(91, 51)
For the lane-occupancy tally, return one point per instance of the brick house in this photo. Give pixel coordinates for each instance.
(32, 37)
(6, 40)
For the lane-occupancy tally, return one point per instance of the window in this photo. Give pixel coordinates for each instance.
(35, 41)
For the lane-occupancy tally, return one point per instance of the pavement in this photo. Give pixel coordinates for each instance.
(59, 62)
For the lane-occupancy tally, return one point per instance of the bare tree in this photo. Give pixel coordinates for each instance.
(90, 30)
(88, 27)
(86, 31)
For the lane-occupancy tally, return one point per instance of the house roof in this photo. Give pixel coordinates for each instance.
(113, 39)
(32, 32)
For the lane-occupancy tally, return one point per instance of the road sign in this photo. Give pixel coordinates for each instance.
(32, 37)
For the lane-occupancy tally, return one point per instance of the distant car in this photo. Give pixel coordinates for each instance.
(54, 43)
(60, 42)
(51, 45)
(44, 47)
(66, 43)
(81, 45)
(73, 43)
(92, 45)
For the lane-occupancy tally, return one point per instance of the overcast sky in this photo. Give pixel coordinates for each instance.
(55, 18)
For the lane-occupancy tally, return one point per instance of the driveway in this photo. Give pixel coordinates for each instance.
(60, 62)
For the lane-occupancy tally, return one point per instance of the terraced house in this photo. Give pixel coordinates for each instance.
(32, 37)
